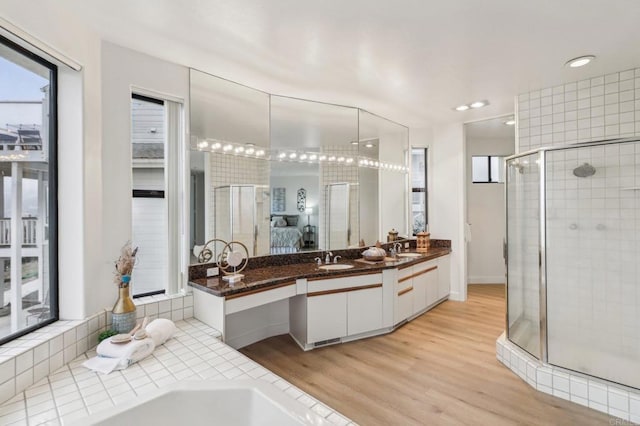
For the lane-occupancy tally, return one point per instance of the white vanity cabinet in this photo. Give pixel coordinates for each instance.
(337, 308)
(419, 288)
(425, 283)
(332, 308)
(403, 296)
(364, 310)
(326, 317)
(444, 276)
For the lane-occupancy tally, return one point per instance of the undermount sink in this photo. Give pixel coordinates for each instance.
(409, 254)
(335, 266)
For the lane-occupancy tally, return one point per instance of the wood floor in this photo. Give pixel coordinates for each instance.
(441, 368)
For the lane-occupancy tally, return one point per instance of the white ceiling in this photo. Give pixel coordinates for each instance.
(408, 60)
(494, 129)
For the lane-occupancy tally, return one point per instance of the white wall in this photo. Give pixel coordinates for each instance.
(446, 194)
(80, 251)
(486, 214)
(125, 71)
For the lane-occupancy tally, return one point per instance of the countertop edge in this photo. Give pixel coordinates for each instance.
(358, 269)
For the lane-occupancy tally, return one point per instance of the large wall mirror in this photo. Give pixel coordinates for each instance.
(285, 175)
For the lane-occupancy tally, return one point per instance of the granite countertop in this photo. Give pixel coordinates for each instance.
(272, 276)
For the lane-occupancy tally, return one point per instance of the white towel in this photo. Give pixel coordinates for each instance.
(160, 330)
(112, 356)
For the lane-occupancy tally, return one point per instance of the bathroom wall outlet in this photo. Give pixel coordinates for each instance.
(406, 245)
(213, 272)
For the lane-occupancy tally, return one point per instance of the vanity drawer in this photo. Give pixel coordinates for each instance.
(315, 285)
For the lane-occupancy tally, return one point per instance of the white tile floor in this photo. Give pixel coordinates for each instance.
(194, 353)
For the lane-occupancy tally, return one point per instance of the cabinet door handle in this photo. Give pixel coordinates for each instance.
(406, 290)
(343, 290)
(418, 274)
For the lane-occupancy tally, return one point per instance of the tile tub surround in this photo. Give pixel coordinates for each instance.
(194, 353)
(32, 357)
(200, 270)
(617, 400)
(271, 276)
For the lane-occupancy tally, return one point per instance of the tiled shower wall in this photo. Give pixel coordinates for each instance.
(593, 224)
(603, 107)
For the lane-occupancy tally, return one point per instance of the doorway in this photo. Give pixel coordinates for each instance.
(487, 143)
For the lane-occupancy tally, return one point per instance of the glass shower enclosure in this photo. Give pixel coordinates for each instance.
(242, 214)
(572, 254)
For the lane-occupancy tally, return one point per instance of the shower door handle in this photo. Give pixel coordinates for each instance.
(505, 252)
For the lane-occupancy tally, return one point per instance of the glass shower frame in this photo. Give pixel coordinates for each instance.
(541, 156)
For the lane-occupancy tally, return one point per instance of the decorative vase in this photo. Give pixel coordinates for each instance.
(423, 242)
(124, 311)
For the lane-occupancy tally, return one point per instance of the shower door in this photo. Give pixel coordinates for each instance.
(241, 214)
(593, 248)
(523, 252)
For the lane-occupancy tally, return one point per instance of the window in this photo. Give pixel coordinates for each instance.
(487, 169)
(28, 237)
(149, 204)
(419, 190)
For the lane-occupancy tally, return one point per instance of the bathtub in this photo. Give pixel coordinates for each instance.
(231, 402)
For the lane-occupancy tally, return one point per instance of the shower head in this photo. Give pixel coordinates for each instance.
(518, 166)
(585, 170)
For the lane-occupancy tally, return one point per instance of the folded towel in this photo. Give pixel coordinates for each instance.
(101, 364)
(135, 349)
(160, 330)
(113, 356)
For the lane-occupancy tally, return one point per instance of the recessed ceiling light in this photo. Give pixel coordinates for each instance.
(510, 122)
(354, 143)
(282, 155)
(478, 104)
(293, 155)
(368, 145)
(580, 61)
(462, 108)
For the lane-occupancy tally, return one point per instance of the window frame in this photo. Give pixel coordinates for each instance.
(52, 187)
(489, 168)
(425, 189)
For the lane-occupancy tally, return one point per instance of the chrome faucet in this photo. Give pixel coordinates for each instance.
(318, 260)
(335, 259)
(327, 258)
(397, 247)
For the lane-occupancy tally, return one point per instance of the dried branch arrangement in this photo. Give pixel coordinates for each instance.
(124, 265)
